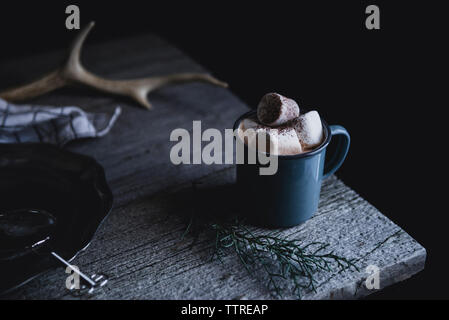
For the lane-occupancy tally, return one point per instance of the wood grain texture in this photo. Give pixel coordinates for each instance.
(142, 250)
(135, 154)
(140, 246)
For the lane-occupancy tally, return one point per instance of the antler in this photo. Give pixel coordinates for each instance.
(74, 72)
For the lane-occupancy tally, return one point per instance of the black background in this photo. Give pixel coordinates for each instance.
(387, 87)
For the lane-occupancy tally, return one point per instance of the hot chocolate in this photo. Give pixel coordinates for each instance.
(283, 128)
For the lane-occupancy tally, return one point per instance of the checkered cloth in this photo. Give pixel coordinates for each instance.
(57, 125)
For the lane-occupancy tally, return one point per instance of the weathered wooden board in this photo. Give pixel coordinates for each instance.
(140, 245)
(142, 250)
(135, 154)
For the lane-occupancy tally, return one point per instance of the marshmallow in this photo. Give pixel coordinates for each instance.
(309, 129)
(274, 110)
(249, 123)
(287, 141)
(244, 134)
(279, 141)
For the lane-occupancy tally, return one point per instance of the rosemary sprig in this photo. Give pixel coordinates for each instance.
(279, 257)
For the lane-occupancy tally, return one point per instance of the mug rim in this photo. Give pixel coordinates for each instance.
(311, 153)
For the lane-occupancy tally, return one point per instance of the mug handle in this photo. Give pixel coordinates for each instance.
(343, 142)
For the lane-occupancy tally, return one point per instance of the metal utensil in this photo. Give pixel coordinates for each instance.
(26, 230)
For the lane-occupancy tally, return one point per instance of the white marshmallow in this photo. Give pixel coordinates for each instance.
(244, 134)
(248, 123)
(287, 142)
(279, 141)
(309, 129)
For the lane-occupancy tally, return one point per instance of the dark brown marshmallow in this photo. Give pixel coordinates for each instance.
(274, 110)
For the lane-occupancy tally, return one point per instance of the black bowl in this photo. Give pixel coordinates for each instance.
(72, 187)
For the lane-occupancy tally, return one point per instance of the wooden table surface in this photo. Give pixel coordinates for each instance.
(140, 246)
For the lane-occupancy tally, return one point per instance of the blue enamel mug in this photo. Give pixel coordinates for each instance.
(291, 195)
